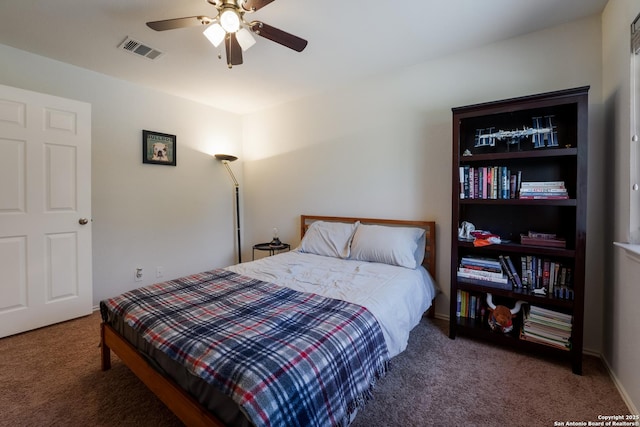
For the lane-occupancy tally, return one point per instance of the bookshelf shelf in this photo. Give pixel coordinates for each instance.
(517, 295)
(483, 332)
(497, 146)
(529, 155)
(518, 248)
(520, 202)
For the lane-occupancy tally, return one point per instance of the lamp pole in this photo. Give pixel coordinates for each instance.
(225, 159)
(238, 219)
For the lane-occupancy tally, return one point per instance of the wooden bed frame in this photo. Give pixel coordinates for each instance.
(185, 407)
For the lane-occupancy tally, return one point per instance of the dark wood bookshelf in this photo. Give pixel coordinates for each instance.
(510, 217)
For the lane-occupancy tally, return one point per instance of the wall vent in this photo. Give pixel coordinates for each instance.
(133, 46)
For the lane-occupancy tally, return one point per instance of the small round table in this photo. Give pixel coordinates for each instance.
(273, 249)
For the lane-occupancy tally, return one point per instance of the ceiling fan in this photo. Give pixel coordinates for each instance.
(229, 25)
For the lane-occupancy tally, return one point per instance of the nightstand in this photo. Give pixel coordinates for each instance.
(272, 249)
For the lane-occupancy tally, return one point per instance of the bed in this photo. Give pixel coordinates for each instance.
(348, 296)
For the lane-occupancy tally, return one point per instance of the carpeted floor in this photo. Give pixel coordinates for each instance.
(52, 377)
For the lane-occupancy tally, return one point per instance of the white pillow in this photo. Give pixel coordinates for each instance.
(402, 246)
(328, 238)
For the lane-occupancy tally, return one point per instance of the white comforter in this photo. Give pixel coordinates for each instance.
(396, 296)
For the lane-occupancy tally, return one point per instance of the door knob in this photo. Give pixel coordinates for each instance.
(83, 221)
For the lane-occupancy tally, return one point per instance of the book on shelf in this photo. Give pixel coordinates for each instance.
(467, 169)
(483, 271)
(555, 242)
(559, 344)
(534, 190)
(541, 272)
(517, 282)
(502, 279)
(483, 262)
(506, 269)
(542, 184)
(504, 182)
(548, 327)
(540, 312)
(543, 196)
(543, 323)
(546, 265)
(470, 305)
(563, 292)
(471, 272)
(541, 235)
(543, 189)
(550, 331)
(484, 282)
(488, 182)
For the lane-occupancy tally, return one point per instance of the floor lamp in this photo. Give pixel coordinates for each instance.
(225, 159)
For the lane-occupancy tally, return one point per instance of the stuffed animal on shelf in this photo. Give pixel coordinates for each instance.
(501, 317)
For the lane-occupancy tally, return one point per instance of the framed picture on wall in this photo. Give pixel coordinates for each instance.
(158, 148)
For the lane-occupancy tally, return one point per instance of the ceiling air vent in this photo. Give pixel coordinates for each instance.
(133, 46)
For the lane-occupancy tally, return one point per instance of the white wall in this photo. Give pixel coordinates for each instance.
(383, 148)
(622, 316)
(180, 218)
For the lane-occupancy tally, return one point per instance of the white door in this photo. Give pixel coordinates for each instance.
(45, 210)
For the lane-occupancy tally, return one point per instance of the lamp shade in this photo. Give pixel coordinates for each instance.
(215, 33)
(227, 157)
(245, 39)
(230, 20)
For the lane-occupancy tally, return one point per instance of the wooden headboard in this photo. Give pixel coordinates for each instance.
(429, 226)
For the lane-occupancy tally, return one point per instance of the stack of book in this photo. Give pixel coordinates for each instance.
(547, 327)
(542, 272)
(490, 182)
(543, 239)
(484, 272)
(470, 306)
(543, 190)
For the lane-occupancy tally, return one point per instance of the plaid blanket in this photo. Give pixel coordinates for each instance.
(288, 358)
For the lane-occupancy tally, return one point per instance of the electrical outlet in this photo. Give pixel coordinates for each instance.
(138, 274)
(159, 271)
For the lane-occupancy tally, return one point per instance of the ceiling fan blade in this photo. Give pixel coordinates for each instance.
(278, 36)
(234, 51)
(253, 5)
(172, 24)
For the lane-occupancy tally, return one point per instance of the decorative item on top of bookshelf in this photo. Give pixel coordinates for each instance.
(543, 134)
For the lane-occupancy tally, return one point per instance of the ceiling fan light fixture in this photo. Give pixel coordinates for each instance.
(245, 39)
(215, 33)
(228, 25)
(230, 20)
